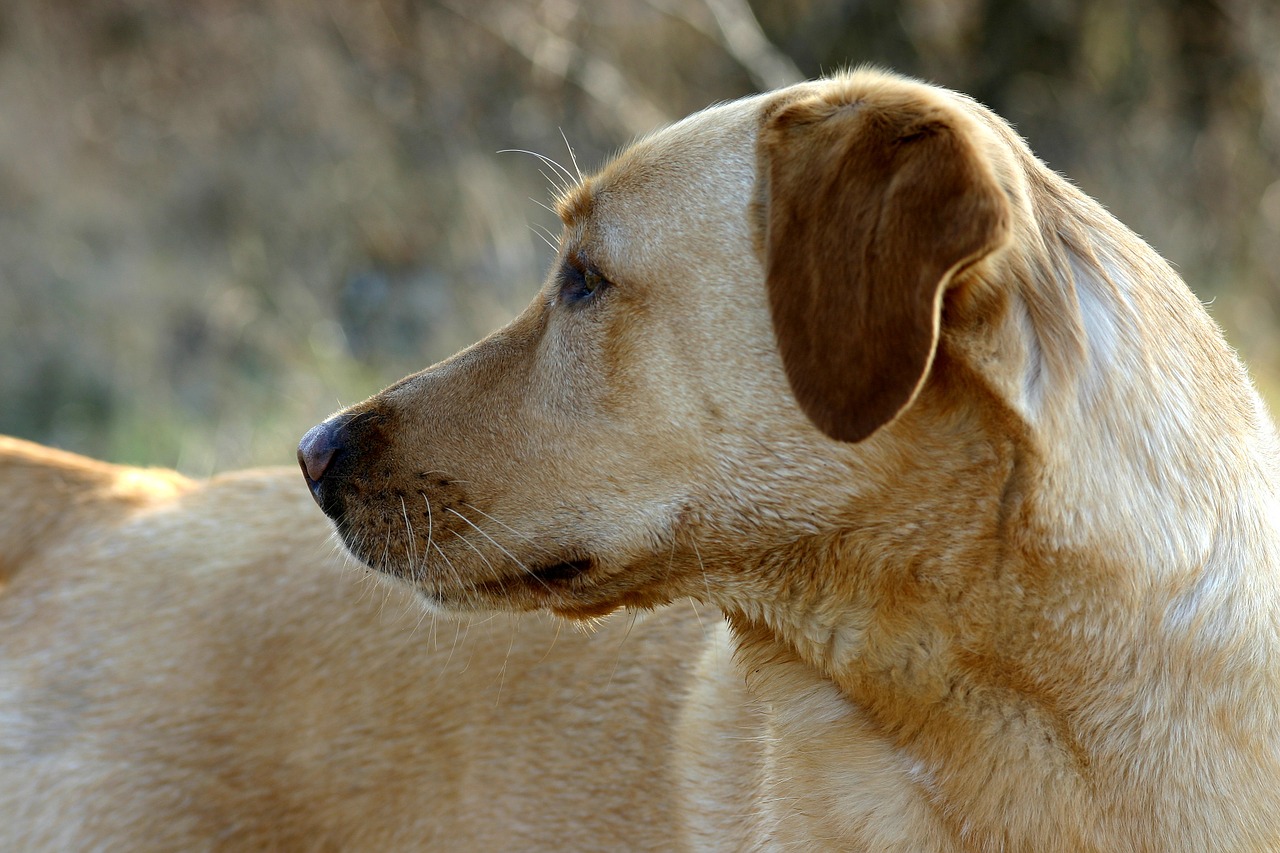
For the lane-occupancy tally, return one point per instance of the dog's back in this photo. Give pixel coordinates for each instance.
(49, 494)
(189, 664)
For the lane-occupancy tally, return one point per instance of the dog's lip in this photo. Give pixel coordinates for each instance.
(544, 577)
(565, 570)
(551, 576)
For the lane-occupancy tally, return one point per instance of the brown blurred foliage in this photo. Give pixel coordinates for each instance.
(221, 219)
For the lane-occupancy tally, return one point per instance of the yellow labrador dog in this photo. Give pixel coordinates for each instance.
(989, 506)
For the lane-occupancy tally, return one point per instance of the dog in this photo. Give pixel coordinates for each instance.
(989, 505)
(986, 502)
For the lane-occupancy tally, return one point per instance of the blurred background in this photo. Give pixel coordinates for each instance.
(220, 220)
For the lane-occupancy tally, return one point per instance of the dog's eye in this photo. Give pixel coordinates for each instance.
(580, 283)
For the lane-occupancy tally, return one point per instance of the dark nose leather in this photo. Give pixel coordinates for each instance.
(318, 448)
(325, 456)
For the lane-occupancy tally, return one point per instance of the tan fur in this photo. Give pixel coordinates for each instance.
(988, 504)
(190, 666)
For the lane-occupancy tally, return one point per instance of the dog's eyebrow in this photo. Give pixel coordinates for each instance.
(575, 203)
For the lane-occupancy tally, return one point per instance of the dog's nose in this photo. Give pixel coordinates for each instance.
(327, 455)
(318, 448)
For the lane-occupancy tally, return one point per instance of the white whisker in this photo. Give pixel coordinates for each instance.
(547, 653)
(411, 541)
(544, 238)
(542, 204)
(561, 170)
(426, 500)
(696, 615)
(572, 157)
(557, 183)
(386, 549)
(457, 632)
(502, 673)
(618, 654)
(509, 529)
(479, 553)
(703, 568)
(457, 577)
(497, 545)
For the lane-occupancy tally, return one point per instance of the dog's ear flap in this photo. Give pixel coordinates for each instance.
(870, 207)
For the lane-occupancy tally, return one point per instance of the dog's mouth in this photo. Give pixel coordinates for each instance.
(574, 588)
(566, 570)
(571, 581)
(550, 578)
(484, 571)
(550, 583)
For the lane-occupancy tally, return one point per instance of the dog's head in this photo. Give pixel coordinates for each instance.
(737, 343)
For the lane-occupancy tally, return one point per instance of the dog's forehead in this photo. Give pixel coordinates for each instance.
(707, 141)
(675, 185)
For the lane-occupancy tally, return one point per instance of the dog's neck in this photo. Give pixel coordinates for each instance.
(967, 647)
(1041, 585)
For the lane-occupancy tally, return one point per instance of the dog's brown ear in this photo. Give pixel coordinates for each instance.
(870, 208)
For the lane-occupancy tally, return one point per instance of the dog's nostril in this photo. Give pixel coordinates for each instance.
(318, 447)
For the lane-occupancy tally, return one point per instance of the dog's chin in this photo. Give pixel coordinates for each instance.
(564, 587)
(574, 588)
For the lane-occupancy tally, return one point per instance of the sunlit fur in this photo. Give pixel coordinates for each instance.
(190, 665)
(1028, 602)
(997, 574)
